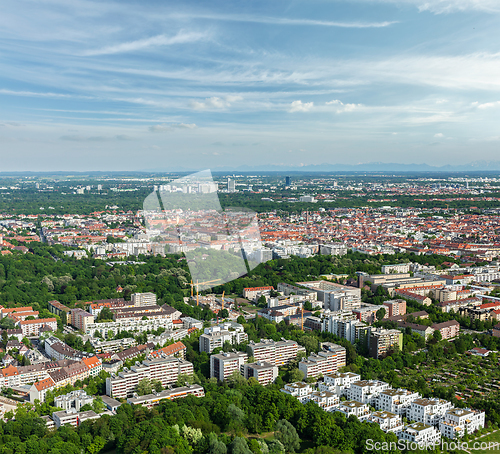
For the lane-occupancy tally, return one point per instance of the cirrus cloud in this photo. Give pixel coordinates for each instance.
(164, 127)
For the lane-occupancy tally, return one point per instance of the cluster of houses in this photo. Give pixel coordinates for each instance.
(376, 402)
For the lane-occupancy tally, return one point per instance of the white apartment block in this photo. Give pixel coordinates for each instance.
(150, 400)
(262, 371)
(387, 421)
(396, 401)
(425, 435)
(166, 370)
(397, 268)
(128, 325)
(366, 391)
(215, 336)
(223, 365)
(143, 299)
(428, 411)
(75, 399)
(300, 390)
(338, 383)
(457, 422)
(327, 400)
(352, 407)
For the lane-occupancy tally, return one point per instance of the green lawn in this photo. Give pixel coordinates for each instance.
(492, 438)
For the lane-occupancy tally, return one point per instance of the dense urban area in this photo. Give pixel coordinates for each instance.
(367, 318)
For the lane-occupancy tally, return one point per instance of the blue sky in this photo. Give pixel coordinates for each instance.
(162, 84)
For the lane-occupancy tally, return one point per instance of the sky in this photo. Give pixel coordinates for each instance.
(164, 85)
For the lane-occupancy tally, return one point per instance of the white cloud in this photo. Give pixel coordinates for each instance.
(299, 106)
(341, 107)
(290, 21)
(450, 6)
(486, 105)
(80, 138)
(164, 127)
(159, 40)
(439, 135)
(215, 102)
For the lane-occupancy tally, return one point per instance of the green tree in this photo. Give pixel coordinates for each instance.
(287, 435)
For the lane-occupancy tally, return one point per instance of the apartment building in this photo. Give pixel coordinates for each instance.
(166, 370)
(338, 383)
(216, 336)
(262, 371)
(128, 325)
(223, 365)
(367, 313)
(448, 330)
(325, 362)
(396, 401)
(75, 399)
(335, 297)
(80, 319)
(326, 400)
(278, 353)
(333, 249)
(395, 307)
(288, 289)
(150, 400)
(251, 293)
(35, 327)
(5, 312)
(366, 391)
(72, 417)
(457, 422)
(428, 411)
(382, 341)
(397, 268)
(387, 421)
(346, 325)
(143, 299)
(354, 408)
(422, 434)
(299, 390)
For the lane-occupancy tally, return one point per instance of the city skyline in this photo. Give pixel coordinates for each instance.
(133, 86)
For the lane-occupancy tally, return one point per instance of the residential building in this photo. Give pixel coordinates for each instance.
(75, 399)
(457, 422)
(326, 400)
(422, 434)
(338, 383)
(387, 421)
(395, 307)
(216, 336)
(382, 341)
(428, 411)
(300, 390)
(166, 370)
(35, 327)
(448, 330)
(396, 401)
(366, 391)
(150, 400)
(80, 319)
(251, 293)
(262, 371)
(278, 353)
(223, 365)
(325, 362)
(351, 407)
(143, 299)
